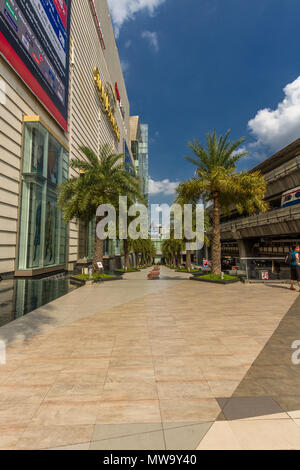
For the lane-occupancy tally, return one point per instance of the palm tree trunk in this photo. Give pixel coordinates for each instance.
(188, 259)
(126, 254)
(216, 239)
(98, 254)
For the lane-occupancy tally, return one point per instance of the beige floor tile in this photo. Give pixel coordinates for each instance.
(32, 379)
(129, 391)
(73, 389)
(186, 437)
(92, 363)
(295, 414)
(132, 361)
(69, 411)
(11, 394)
(185, 390)
(113, 431)
(151, 441)
(134, 412)
(12, 414)
(38, 437)
(4, 376)
(267, 435)
(79, 377)
(220, 437)
(79, 447)
(132, 374)
(9, 436)
(192, 410)
(222, 388)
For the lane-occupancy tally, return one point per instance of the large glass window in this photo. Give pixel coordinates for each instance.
(42, 231)
(86, 243)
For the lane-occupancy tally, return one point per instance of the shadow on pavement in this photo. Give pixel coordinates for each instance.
(272, 384)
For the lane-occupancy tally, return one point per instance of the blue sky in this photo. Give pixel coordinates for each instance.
(195, 65)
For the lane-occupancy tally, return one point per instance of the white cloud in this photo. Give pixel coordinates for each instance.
(152, 38)
(125, 67)
(166, 187)
(241, 149)
(124, 10)
(274, 129)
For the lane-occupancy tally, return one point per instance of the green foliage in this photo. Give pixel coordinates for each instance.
(172, 249)
(102, 179)
(129, 270)
(144, 249)
(217, 180)
(86, 277)
(217, 277)
(216, 174)
(183, 270)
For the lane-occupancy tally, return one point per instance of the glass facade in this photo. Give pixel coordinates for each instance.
(86, 242)
(127, 160)
(112, 248)
(42, 232)
(140, 151)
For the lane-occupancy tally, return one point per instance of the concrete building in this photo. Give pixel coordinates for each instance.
(36, 144)
(271, 234)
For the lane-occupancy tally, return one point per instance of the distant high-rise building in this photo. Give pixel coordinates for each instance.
(139, 135)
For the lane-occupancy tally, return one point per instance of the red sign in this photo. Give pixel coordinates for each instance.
(61, 8)
(117, 92)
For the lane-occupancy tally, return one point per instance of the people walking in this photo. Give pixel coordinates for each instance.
(295, 266)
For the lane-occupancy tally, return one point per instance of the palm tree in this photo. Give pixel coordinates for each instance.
(103, 178)
(172, 251)
(144, 250)
(217, 181)
(185, 196)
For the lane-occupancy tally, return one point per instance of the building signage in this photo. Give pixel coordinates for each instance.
(117, 92)
(34, 39)
(108, 101)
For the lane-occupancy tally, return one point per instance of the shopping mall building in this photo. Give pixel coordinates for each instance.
(61, 87)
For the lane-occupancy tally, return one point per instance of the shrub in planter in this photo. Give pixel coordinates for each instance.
(216, 279)
(96, 277)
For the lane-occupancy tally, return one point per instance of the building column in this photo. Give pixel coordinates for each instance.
(246, 247)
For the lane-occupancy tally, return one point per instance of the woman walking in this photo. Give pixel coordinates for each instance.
(295, 266)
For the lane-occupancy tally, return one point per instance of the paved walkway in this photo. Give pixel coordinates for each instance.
(170, 364)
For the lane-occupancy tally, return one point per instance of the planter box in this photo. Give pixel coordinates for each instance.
(117, 278)
(77, 280)
(94, 281)
(121, 273)
(198, 273)
(211, 281)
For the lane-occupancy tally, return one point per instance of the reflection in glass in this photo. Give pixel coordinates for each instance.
(42, 232)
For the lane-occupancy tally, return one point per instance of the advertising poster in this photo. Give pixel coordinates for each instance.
(34, 40)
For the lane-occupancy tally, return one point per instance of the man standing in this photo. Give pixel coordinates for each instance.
(295, 267)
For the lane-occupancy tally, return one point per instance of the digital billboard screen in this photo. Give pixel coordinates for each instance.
(34, 39)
